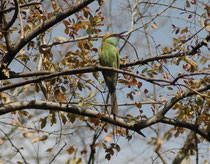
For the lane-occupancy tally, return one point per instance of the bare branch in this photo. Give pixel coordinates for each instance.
(168, 6)
(120, 104)
(161, 156)
(187, 75)
(22, 33)
(175, 7)
(58, 153)
(15, 147)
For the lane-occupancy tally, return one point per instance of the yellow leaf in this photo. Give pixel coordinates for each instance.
(4, 96)
(154, 25)
(108, 138)
(60, 38)
(35, 140)
(163, 99)
(18, 162)
(92, 94)
(205, 162)
(22, 52)
(27, 134)
(22, 128)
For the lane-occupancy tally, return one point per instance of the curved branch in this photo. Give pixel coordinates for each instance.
(191, 74)
(44, 26)
(174, 100)
(183, 124)
(13, 18)
(139, 62)
(48, 105)
(48, 75)
(161, 115)
(134, 125)
(83, 70)
(168, 56)
(21, 6)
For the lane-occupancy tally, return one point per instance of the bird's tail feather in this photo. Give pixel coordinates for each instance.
(114, 107)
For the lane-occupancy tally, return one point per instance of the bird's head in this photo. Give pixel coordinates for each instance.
(113, 38)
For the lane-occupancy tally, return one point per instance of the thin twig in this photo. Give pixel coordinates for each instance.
(83, 70)
(22, 33)
(17, 149)
(13, 18)
(21, 6)
(58, 153)
(136, 29)
(160, 156)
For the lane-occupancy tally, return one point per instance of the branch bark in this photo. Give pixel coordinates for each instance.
(187, 125)
(134, 125)
(185, 149)
(47, 105)
(169, 56)
(139, 62)
(9, 24)
(82, 70)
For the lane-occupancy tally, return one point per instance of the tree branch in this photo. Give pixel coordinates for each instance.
(48, 105)
(21, 6)
(8, 25)
(58, 153)
(16, 148)
(169, 56)
(134, 125)
(187, 125)
(43, 27)
(185, 149)
(83, 70)
(174, 100)
(160, 116)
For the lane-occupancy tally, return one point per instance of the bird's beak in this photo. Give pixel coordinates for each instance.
(121, 34)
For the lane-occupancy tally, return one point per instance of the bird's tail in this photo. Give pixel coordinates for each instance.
(114, 107)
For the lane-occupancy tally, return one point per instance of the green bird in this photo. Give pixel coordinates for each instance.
(109, 57)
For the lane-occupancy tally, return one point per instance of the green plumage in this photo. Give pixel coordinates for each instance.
(109, 57)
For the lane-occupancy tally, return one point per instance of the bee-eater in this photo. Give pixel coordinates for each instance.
(109, 57)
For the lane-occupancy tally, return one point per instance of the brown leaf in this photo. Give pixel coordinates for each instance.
(117, 148)
(43, 138)
(146, 91)
(49, 150)
(108, 157)
(71, 150)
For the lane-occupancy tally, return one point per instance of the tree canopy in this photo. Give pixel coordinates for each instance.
(54, 104)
